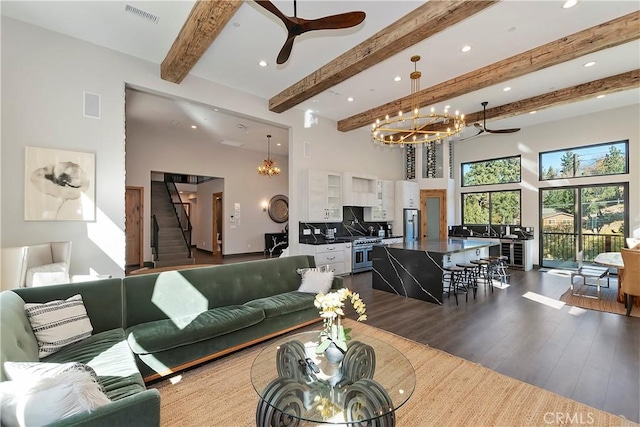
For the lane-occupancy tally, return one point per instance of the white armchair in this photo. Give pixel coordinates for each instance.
(35, 265)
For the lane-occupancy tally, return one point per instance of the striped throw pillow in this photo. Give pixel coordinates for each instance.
(58, 323)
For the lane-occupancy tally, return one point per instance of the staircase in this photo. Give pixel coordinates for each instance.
(172, 249)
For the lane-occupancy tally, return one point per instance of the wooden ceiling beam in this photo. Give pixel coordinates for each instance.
(204, 23)
(609, 34)
(581, 92)
(423, 22)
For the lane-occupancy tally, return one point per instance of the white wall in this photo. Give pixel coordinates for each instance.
(607, 126)
(149, 148)
(43, 77)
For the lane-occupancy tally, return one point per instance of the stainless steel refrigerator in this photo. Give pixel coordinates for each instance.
(411, 225)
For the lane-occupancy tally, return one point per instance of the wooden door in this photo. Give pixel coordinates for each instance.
(134, 200)
(216, 214)
(433, 214)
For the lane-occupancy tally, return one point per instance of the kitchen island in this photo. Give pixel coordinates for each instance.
(414, 269)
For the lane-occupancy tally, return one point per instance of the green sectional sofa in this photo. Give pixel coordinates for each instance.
(178, 319)
(106, 351)
(149, 326)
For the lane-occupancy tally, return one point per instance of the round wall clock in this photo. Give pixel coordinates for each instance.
(279, 208)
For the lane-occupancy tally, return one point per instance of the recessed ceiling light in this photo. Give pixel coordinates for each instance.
(215, 109)
(263, 63)
(350, 99)
(194, 127)
(600, 96)
(278, 144)
(569, 3)
(506, 89)
(465, 49)
(446, 107)
(590, 64)
(532, 112)
(397, 78)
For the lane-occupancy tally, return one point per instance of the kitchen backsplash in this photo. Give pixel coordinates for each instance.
(352, 224)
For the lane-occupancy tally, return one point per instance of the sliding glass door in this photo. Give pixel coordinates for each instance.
(591, 219)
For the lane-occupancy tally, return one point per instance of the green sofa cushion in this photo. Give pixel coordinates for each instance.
(280, 304)
(152, 337)
(109, 355)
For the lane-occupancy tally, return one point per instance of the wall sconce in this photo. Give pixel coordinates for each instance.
(265, 205)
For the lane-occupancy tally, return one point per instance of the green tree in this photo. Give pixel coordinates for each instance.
(569, 164)
(498, 171)
(614, 161)
(550, 173)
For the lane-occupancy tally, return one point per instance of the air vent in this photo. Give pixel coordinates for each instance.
(232, 143)
(142, 14)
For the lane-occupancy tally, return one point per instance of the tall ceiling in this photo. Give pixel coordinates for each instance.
(500, 31)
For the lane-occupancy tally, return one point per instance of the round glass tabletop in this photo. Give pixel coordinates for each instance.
(370, 382)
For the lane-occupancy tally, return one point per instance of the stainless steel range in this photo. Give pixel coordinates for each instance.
(363, 253)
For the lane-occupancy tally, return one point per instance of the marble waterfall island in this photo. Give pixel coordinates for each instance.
(414, 269)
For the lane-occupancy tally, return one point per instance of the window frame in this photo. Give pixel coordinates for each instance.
(462, 165)
(462, 195)
(601, 144)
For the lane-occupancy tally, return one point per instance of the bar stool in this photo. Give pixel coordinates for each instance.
(483, 271)
(470, 276)
(453, 277)
(499, 270)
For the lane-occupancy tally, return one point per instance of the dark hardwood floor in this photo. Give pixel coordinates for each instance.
(589, 356)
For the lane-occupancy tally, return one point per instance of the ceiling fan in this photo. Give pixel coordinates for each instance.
(482, 128)
(296, 26)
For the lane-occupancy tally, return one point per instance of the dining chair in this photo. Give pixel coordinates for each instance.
(631, 284)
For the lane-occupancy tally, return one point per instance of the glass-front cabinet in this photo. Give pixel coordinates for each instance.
(384, 204)
(321, 196)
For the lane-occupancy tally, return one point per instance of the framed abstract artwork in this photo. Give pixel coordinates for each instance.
(59, 185)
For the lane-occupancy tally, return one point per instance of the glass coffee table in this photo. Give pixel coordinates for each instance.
(296, 385)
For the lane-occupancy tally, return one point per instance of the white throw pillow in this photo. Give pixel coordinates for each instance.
(48, 274)
(49, 399)
(33, 371)
(314, 281)
(58, 323)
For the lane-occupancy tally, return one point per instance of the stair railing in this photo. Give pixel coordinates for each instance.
(179, 211)
(155, 228)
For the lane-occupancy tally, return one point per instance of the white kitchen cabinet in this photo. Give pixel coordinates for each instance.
(358, 189)
(407, 194)
(333, 255)
(385, 202)
(321, 196)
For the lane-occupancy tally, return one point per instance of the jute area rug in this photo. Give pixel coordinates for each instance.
(450, 391)
(607, 302)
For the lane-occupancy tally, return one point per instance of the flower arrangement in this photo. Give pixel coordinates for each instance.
(331, 310)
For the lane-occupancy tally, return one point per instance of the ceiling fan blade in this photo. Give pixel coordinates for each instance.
(334, 22)
(283, 56)
(480, 132)
(273, 9)
(513, 130)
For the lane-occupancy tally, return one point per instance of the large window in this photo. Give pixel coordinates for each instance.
(590, 218)
(497, 171)
(593, 160)
(491, 208)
